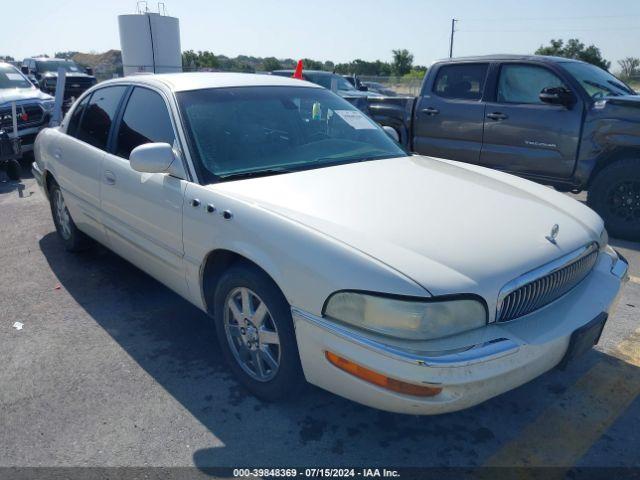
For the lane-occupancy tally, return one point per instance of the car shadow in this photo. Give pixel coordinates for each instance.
(174, 343)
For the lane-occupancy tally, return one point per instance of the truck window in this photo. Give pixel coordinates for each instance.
(97, 120)
(463, 81)
(523, 83)
(145, 120)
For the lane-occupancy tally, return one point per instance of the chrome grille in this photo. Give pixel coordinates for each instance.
(542, 286)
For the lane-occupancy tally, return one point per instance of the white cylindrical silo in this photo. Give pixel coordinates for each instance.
(150, 43)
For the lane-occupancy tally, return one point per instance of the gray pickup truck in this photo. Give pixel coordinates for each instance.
(553, 120)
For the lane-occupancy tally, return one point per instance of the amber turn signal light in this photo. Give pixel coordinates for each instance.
(379, 379)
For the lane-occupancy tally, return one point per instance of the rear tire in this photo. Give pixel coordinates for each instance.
(255, 331)
(615, 195)
(13, 169)
(72, 238)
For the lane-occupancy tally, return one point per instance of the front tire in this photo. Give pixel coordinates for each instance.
(255, 331)
(615, 195)
(72, 238)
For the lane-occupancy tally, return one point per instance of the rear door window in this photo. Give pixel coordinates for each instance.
(76, 116)
(462, 81)
(146, 119)
(98, 117)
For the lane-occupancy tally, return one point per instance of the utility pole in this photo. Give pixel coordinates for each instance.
(453, 29)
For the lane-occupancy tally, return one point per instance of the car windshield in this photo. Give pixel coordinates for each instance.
(596, 81)
(325, 80)
(251, 131)
(54, 65)
(11, 78)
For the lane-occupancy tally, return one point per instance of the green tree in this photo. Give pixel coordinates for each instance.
(402, 61)
(6, 58)
(310, 64)
(270, 64)
(629, 67)
(574, 48)
(202, 59)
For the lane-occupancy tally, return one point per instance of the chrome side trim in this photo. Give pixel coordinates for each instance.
(469, 355)
(539, 273)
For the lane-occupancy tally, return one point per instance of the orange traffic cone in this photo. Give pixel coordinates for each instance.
(298, 73)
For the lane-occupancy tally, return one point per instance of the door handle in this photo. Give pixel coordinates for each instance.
(109, 178)
(430, 111)
(497, 116)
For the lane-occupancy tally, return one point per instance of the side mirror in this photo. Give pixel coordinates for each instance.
(363, 88)
(556, 96)
(392, 132)
(24, 70)
(89, 71)
(156, 158)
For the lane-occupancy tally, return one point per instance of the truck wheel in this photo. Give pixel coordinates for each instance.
(615, 195)
(255, 331)
(13, 170)
(72, 238)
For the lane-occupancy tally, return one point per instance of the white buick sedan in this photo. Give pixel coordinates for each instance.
(321, 250)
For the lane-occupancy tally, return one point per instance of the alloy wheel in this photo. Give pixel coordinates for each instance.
(62, 215)
(252, 334)
(623, 201)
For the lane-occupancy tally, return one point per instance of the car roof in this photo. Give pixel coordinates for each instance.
(509, 57)
(178, 82)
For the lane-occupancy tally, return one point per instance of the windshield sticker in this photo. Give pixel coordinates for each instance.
(14, 76)
(73, 69)
(356, 119)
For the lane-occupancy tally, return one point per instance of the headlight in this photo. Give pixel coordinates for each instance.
(409, 319)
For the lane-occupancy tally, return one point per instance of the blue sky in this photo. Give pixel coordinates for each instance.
(332, 29)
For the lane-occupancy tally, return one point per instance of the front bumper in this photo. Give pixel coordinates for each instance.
(27, 136)
(471, 367)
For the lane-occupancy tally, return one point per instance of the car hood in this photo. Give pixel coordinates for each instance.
(450, 227)
(8, 95)
(357, 94)
(624, 100)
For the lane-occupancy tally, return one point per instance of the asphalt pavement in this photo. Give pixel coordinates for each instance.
(110, 368)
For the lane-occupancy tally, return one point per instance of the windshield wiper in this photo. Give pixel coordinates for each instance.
(254, 173)
(354, 159)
